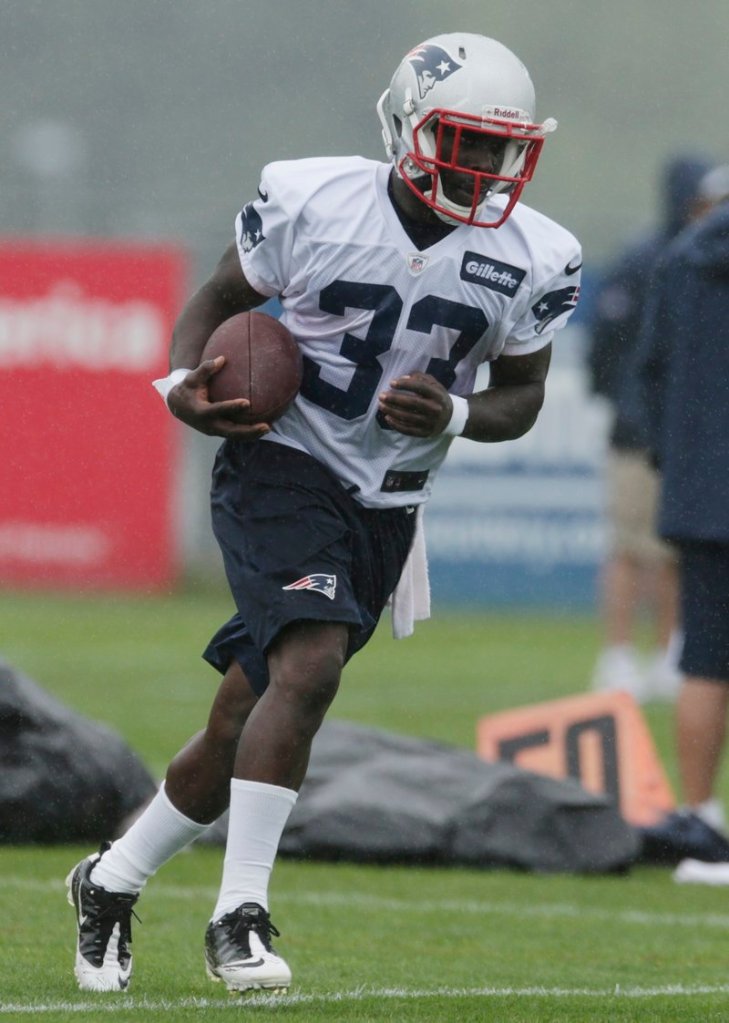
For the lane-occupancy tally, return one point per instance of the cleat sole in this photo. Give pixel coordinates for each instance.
(242, 989)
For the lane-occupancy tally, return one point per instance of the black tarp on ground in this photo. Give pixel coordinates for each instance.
(63, 778)
(376, 797)
(370, 796)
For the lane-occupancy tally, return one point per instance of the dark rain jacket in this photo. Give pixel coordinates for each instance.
(682, 380)
(618, 308)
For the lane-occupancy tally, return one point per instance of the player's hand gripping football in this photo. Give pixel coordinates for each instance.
(190, 402)
(416, 404)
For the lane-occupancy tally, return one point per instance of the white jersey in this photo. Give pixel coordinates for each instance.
(366, 306)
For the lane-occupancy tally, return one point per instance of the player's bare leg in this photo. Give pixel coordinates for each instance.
(305, 665)
(198, 778)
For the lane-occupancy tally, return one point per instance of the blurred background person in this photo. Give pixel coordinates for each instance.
(639, 572)
(682, 386)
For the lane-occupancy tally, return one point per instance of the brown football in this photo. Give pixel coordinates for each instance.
(262, 363)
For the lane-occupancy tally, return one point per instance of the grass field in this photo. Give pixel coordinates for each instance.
(396, 944)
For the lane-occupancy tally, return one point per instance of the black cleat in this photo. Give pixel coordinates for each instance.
(238, 951)
(104, 922)
(682, 835)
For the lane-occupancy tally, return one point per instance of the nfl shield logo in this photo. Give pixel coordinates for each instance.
(416, 262)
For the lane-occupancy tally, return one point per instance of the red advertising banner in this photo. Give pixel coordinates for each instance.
(87, 452)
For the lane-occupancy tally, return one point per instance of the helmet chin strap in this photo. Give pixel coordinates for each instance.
(448, 207)
(422, 186)
(446, 217)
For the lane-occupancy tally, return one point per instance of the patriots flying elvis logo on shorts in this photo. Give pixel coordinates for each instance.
(431, 65)
(326, 584)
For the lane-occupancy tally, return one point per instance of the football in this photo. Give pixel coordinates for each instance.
(262, 363)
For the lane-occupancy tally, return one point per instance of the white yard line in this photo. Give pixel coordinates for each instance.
(124, 1003)
(375, 903)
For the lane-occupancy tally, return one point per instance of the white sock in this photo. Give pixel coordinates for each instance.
(156, 835)
(258, 815)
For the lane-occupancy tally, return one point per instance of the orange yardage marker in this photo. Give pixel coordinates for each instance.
(599, 739)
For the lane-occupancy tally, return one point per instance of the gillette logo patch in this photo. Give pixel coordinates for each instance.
(501, 277)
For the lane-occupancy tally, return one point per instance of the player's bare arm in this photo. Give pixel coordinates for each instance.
(418, 405)
(509, 407)
(224, 294)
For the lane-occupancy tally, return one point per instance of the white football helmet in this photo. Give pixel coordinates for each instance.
(450, 95)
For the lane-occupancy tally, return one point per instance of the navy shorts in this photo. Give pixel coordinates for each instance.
(705, 609)
(297, 546)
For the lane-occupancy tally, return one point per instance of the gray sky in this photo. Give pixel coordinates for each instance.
(153, 117)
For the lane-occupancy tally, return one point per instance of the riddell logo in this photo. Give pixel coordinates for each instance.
(491, 273)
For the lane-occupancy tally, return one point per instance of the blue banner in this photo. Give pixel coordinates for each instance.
(522, 522)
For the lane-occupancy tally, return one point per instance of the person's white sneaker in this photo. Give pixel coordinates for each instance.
(697, 872)
(617, 667)
(238, 951)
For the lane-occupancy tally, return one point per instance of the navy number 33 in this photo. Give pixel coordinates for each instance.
(363, 353)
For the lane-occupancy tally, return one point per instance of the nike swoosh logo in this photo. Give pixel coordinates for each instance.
(256, 962)
(263, 195)
(569, 269)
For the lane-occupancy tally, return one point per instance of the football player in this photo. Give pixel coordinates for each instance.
(398, 280)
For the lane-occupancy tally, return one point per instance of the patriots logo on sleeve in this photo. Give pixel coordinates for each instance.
(553, 304)
(251, 227)
(431, 65)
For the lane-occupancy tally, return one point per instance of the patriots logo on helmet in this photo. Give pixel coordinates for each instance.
(319, 581)
(251, 227)
(553, 304)
(431, 65)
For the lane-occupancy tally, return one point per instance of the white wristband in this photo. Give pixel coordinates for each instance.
(164, 385)
(459, 418)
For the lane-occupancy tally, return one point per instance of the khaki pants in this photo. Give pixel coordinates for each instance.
(633, 487)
